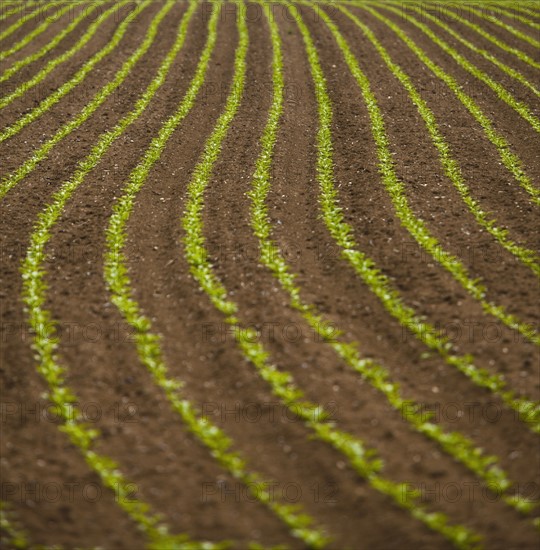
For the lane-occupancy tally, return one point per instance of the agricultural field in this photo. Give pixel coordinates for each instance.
(269, 274)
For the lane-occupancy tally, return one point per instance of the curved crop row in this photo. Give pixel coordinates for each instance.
(148, 343)
(510, 160)
(457, 445)
(414, 225)
(363, 460)
(45, 344)
(527, 11)
(45, 340)
(35, 33)
(25, 18)
(81, 74)
(26, 168)
(516, 16)
(20, 4)
(10, 12)
(450, 165)
(502, 93)
(379, 283)
(510, 71)
(18, 65)
(512, 30)
(493, 39)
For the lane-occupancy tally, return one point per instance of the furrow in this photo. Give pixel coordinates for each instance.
(510, 159)
(509, 28)
(521, 108)
(450, 165)
(26, 168)
(79, 77)
(20, 22)
(13, 537)
(153, 207)
(10, 12)
(45, 339)
(510, 71)
(148, 343)
(527, 11)
(414, 225)
(491, 38)
(379, 283)
(516, 16)
(35, 33)
(362, 459)
(457, 445)
(18, 65)
(44, 344)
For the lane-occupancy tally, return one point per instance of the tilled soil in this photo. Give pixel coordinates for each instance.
(53, 495)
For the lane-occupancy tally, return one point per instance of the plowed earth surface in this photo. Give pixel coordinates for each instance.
(51, 492)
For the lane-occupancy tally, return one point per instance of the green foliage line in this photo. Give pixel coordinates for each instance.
(282, 384)
(148, 343)
(490, 37)
(28, 17)
(450, 165)
(40, 154)
(502, 93)
(516, 16)
(10, 12)
(18, 65)
(510, 160)
(531, 12)
(35, 32)
(66, 87)
(454, 443)
(510, 71)
(46, 341)
(509, 28)
(414, 225)
(378, 282)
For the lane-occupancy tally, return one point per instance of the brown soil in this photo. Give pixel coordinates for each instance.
(171, 469)
(28, 25)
